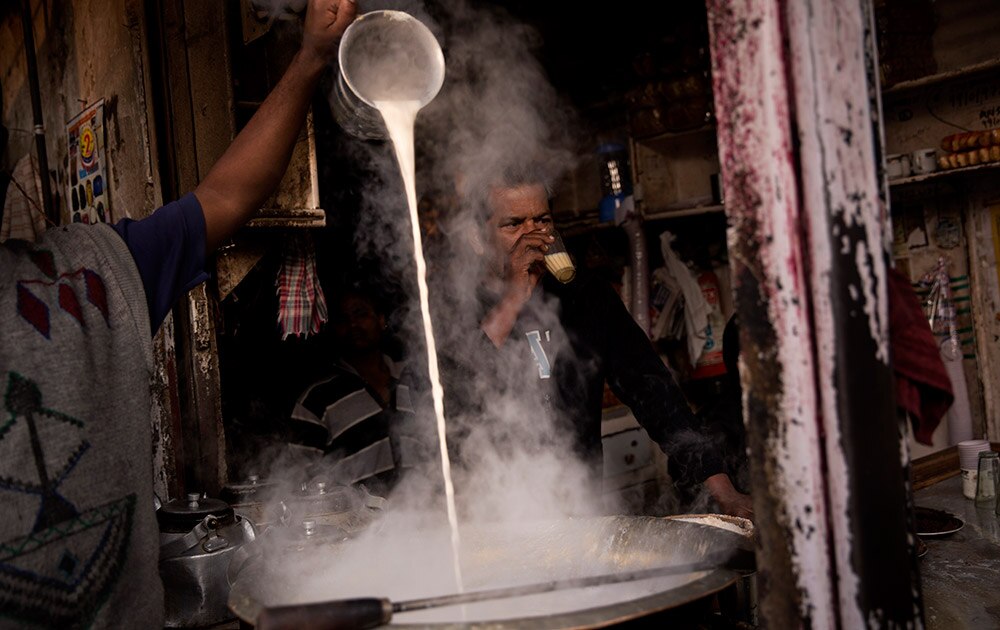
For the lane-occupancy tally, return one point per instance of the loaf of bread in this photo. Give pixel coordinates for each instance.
(959, 142)
(975, 157)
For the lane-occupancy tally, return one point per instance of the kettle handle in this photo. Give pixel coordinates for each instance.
(180, 545)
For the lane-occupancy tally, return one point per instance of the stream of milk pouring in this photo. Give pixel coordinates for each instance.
(399, 118)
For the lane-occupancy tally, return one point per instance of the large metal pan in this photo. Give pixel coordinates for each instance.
(493, 556)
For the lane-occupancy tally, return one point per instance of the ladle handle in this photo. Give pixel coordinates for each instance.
(344, 614)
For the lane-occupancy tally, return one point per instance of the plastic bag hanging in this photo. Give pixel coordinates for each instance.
(696, 308)
(940, 308)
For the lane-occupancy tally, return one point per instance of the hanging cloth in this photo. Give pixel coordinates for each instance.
(301, 304)
(923, 385)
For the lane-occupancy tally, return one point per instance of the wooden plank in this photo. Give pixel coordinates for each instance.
(936, 467)
(930, 469)
(983, 232)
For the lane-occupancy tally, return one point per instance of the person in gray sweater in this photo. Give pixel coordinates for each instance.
(78, 533)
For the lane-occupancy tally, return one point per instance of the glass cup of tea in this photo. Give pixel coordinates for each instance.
(557, 260)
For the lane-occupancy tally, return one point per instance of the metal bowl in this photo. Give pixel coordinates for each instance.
(565, 549)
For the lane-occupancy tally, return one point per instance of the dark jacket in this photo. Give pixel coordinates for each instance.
(568, 340)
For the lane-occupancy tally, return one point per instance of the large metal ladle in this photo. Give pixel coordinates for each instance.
(384, 55)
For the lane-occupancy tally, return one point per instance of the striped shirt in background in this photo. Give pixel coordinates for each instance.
(341, 422)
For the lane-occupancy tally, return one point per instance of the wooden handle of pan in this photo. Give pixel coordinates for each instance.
(345, 614)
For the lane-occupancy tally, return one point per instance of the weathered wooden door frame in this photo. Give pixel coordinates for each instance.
(192, 90)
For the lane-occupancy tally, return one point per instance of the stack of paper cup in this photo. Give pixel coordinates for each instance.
(968, 458)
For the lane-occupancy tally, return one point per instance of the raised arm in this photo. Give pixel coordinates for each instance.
(253, 165)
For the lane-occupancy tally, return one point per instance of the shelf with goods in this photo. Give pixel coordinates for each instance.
(980, 169)
(675, 175)
(971, 70)
(940, 76)
(698, 225)
(695, 210)
(958, 121)
(674, 172)
(941, 215)
(671, 147)
(589, 222)
(672, 175)
(953, 113)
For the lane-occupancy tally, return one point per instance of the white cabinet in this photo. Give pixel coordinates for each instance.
(634, 466)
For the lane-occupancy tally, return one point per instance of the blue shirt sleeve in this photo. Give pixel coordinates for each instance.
(169, 250)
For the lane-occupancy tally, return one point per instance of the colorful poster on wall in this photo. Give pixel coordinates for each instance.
(88, 196)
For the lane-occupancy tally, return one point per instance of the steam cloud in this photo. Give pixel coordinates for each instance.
(496, 113)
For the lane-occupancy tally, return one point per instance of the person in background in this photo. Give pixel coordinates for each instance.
(79, 309)
(571, 338)
(923, 389)
(355, 425)
(723, 418)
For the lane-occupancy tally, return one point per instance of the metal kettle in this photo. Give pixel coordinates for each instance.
(199, 538)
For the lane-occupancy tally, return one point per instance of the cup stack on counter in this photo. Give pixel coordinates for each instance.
(968, 457)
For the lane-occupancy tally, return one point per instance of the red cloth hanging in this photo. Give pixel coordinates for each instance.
(923, 388)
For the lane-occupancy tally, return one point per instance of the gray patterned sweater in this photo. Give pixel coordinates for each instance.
(78, 535)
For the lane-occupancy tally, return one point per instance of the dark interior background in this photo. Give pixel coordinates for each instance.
(593, 57)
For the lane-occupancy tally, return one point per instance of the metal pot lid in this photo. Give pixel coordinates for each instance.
(181, 515)
(316, 488)
(307, 533)
(247, 491)
(252, 482)
(332, 498)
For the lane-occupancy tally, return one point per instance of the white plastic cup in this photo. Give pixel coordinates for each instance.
(968, 459)
(970, 478)
(897, 165)
(968, 453)
(924, 161)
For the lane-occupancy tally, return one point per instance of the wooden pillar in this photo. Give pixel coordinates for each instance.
(799, 154)
(194, 127)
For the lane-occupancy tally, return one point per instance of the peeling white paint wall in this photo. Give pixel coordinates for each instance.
(762, 202)
(833, 136)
